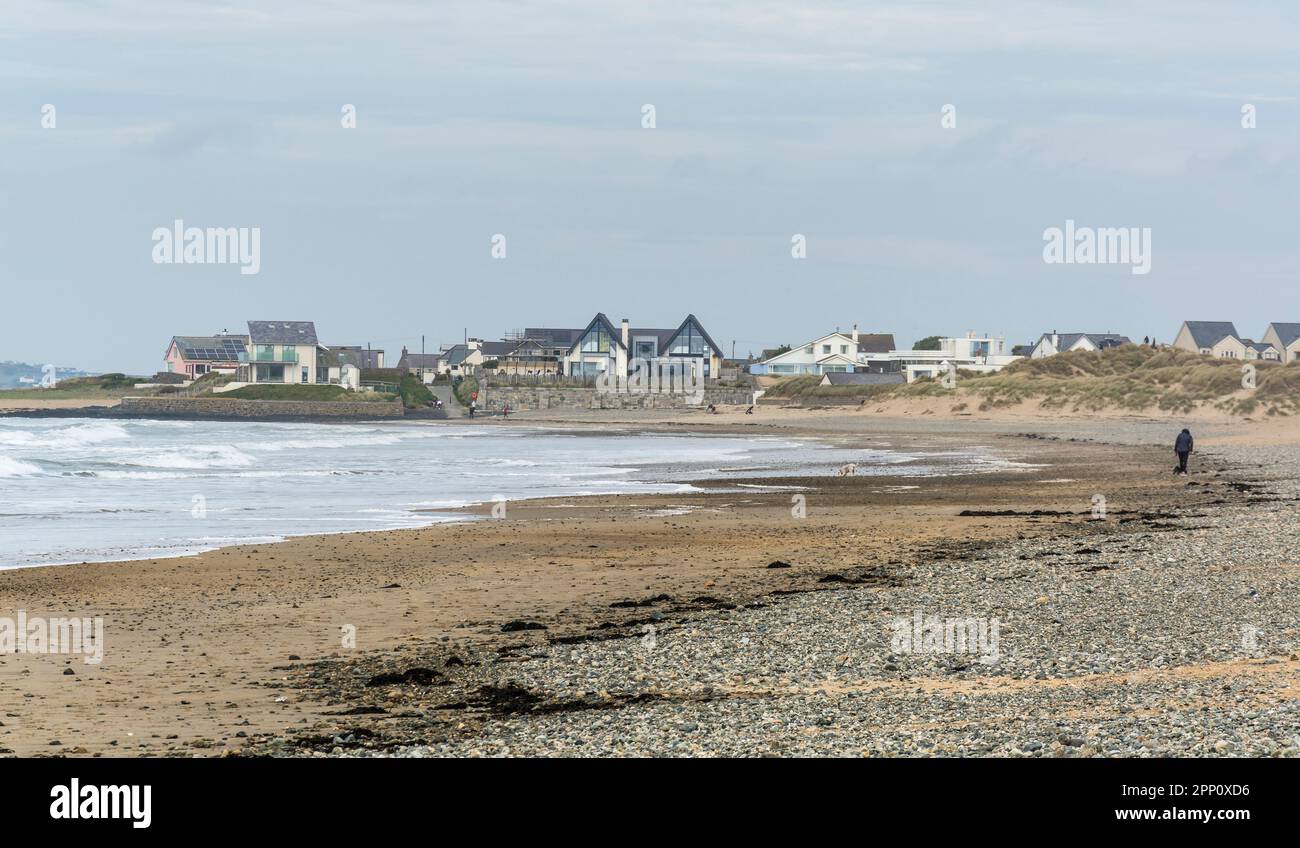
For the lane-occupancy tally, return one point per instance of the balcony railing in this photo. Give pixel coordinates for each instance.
(286, 357)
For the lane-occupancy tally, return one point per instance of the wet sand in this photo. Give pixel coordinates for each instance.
(245, 646)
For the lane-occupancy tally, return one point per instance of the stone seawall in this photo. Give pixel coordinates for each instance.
(522, 398)
(237, 408)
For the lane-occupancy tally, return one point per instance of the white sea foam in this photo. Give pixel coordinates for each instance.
(17, 468)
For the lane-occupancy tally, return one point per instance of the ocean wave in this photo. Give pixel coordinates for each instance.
(196, 458)
(76, 436)
(17, 468)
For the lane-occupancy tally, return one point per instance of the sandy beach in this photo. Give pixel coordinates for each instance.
(469, 635)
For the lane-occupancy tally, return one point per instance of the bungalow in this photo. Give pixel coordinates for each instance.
(1285, 339)
(1212, 338)
(194, 356)
(427, 365)
(1053, 343)
(284, 352)
(836, 352)
(1261, 350)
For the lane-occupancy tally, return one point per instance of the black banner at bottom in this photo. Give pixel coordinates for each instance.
(303, 797)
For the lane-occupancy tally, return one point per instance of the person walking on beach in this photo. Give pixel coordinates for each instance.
(1183, 447)
(472, 405)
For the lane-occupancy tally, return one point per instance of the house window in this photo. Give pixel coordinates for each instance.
(826, 348)
(844, 348)
(305, 377)
(689, 342)
(808, 349)
(597, 341)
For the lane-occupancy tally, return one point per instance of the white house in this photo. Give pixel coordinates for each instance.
(1285, 339)
(1050, 344)
(971, 353)
(1212, 338)
(601, 348)
(285, 352)
(833, 353)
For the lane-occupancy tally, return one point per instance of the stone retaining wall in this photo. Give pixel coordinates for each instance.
(237, 408)
(521, 399)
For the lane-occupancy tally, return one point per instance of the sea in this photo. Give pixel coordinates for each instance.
(95, 490)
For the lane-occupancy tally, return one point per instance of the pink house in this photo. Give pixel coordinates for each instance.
(195, 356)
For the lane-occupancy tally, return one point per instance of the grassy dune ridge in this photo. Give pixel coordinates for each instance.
(1129, 377)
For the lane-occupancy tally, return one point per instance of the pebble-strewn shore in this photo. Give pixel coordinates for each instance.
(1176, 639)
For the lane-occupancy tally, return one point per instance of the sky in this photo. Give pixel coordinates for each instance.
(771, 119)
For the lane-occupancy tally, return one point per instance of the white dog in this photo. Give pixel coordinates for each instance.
(847, 470)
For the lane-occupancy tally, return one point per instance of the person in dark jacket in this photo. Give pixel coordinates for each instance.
(1183, 447)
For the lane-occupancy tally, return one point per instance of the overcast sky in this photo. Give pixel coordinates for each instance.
(481, 117)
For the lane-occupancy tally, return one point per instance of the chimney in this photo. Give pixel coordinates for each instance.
(855, 333)
(625, 333)
(1056, 342)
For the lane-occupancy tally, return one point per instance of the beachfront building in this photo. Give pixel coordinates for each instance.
(602, 348)
(1261, 350)
(972, 352)
(285, 352)
(1211, 338)
(836, 352)
(1050, 344)
(1285, 339)
(194, 356)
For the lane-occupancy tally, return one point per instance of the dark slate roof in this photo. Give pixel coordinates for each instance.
(495, 349)
(419, 360)
(860, 378)
(875, 342)
(1099, 340)
(553, 336)
(1286, 333)
(1210, 333)
(210, 348)
(283, 332)
(1258, 346)
(456, 354)
(357, 355)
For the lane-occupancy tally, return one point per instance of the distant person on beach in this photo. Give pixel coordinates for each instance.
(1183, 447)
(505, 411)
(472, 406)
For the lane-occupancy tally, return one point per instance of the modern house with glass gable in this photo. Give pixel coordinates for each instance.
(602, 348)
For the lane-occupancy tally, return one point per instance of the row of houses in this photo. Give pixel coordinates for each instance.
(270, 352)
(598, 348)
(875, 353)
(291, 352)
(1279, 343)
